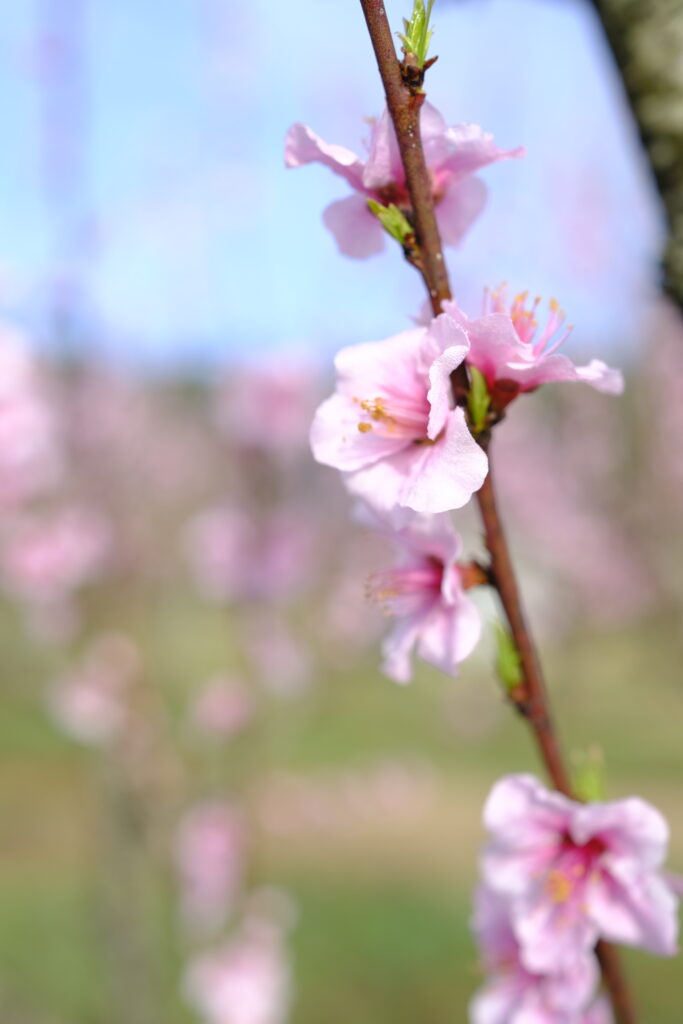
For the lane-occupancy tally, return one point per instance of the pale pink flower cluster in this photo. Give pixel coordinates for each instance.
(247, 979)
(235, 557)
(92, 701)
(222, 708)
(30, 459)
(44, 559)
(392, 427)
(558, 876)
(209, 857)
(453, 156)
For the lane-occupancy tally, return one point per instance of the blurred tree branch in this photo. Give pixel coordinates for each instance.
(646, 39)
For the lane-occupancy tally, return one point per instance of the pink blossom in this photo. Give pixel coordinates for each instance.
(505, 348)
(515, 995)
(222, 707)
(453, 155)
(268, 406)
(283, 665)
(30, 460)
(575, 872)
(236, 557)
(390, 426)
(245, 981)
(91, 702)
(44, 559)
(599, 1013)
(425, 591)
(209, 856)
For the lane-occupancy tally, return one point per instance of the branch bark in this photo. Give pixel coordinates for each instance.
(530, 698)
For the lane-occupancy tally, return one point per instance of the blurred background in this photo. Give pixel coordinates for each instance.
(211, 797)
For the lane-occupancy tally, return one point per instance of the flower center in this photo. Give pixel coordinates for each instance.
(572, 867)
(524, 320)
(395, 416)
(406, 589)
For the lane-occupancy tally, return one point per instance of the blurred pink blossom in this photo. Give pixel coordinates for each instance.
(30, 456)
(268, 405)
(426, 594)
(574, 873)
(453, 155)
(235, 557)
(45, 558)
(505, 349)
(91, 702)
(222, 707)
(281, 661)
(245, 981)
(547, 480)
(513, 994)
(390, 427)
(209, 857)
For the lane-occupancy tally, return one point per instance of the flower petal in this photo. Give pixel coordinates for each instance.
(635, 907)
(630, 828)
(357, 231)
(472, 148)
(446, 473)
(449, 635)
(452, 342)
(303, 146)
(384, 165)
(460, 206)
(336, 440)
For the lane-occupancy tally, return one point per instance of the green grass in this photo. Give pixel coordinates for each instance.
(382, 936)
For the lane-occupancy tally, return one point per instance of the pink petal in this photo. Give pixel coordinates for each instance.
(302, 146)
(357, 231)
(460, 206)
(522, 812)
(433, 131)
(497, 1002)
(473, 149)
(384, 165)
(453, 343)
(336, 440)
(601, 377)
(450, 635)
(634, 907)
(381, 485)
(599, 1013)
(559, 368)
(397, 648)
(445, 474)
(494, 345)
(364, 371)
(630, 827)
(552, 936)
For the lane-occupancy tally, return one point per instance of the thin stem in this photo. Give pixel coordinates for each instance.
(530, 697)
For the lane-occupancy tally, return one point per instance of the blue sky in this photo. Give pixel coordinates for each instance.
(188, 240)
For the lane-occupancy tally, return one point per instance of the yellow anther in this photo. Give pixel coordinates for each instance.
(558, 886)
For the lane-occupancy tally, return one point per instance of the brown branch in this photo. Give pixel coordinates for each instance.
(530, 697)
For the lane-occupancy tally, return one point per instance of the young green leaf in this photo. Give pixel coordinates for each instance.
(418, 34)
(393, 221)
(508, 664)
(478, 399)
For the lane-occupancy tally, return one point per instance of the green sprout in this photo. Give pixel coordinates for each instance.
(393, 221)
(478, 399)
(418, 34)
(508, 662)
(589, 774)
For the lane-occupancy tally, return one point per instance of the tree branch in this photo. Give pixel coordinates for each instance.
(530, 698)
